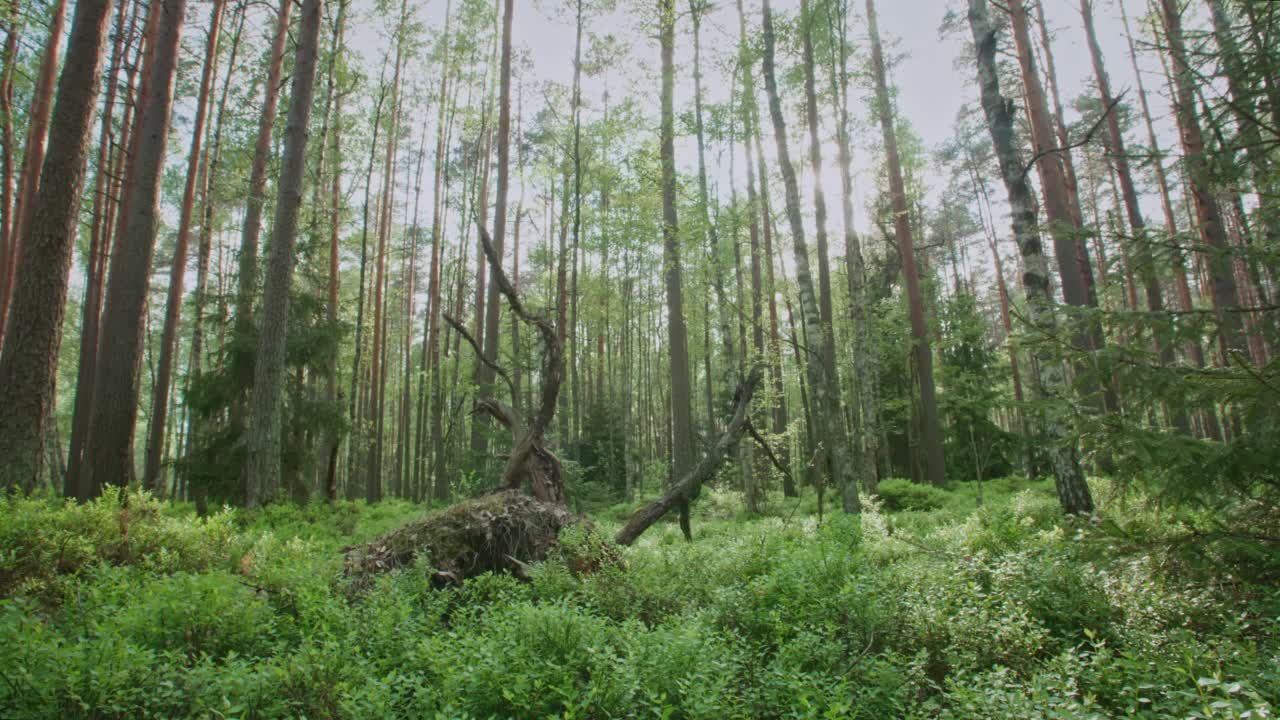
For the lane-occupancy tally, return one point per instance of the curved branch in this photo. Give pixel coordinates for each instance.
(1082, 141)
(553, 355)
(689, 485)
(501, 371)
(764, 445)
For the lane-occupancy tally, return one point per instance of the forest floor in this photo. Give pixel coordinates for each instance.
(925, 606)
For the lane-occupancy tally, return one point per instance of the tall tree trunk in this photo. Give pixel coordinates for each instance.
(376, 416)
(1222, 282)
(209, 173)
(440, 484)
(562, 298)
(760, 215)
(1245, 112)
(9, 62)
(247, 275)
(1133, 211)
(178, 269)
(825, 310)
(33, 156)
(1074, 269)
(829, 420)
(492, 304)
(864, 361)
(682, 455)
(95, 271)
(697, 8)
(334, 439)
(262, 472)
(356, 409)
(574, 378)
(1192, 348)
(1060, 128)
(1073, 492)
(109, 450)
(930, 428)
(28, 369)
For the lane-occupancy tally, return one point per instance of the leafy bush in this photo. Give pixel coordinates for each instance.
(902, 494)
(211, 613)
(1004, 611)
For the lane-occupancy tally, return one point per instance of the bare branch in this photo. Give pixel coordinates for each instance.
(764, 445)
(689, 485)
(553, 355)
(1082, 141)
(502, 373)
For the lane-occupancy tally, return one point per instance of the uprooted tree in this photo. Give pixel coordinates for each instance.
(504, 530)
(530, 460)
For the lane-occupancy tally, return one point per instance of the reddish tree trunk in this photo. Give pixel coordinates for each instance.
(28, 368)
(108, 458)
(178, 268)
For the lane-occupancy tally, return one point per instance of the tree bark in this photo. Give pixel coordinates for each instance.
(9, 61)
(356, 409)
(108, 458)
(28, 367)
(440, 484)
(492, 308)
(1191, 348)
(178, 269)
(530, 461)
(696, 10)
(930, 426)
(33, 156)
(376, 412)
(334, 438)
(760, 217)
(828, 419)
(1218, 256)
(95, 271)
(1074, 269)
(686, 489)
(1246, 115)
(1073, 491)
(247, 274)
(262, 472)
(825, 306)
(864, 361)
(682, 455)
(1133, 211)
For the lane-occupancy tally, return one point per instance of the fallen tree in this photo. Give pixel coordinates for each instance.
(688, 487)
(505, 530)
(502, 531)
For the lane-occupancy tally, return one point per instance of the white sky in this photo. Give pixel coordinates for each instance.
(930, 87)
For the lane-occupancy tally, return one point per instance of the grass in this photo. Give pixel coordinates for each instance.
(956, 611)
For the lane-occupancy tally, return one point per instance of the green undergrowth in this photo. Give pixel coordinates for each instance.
(935, 608)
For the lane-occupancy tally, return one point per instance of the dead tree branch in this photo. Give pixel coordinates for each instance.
(687, 488)
(530, 459)
(755, 435)
(462, 330)
(1082, 141)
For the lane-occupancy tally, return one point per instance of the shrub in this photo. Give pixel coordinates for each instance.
(45, 541)
(207, 614)
(901, 494)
